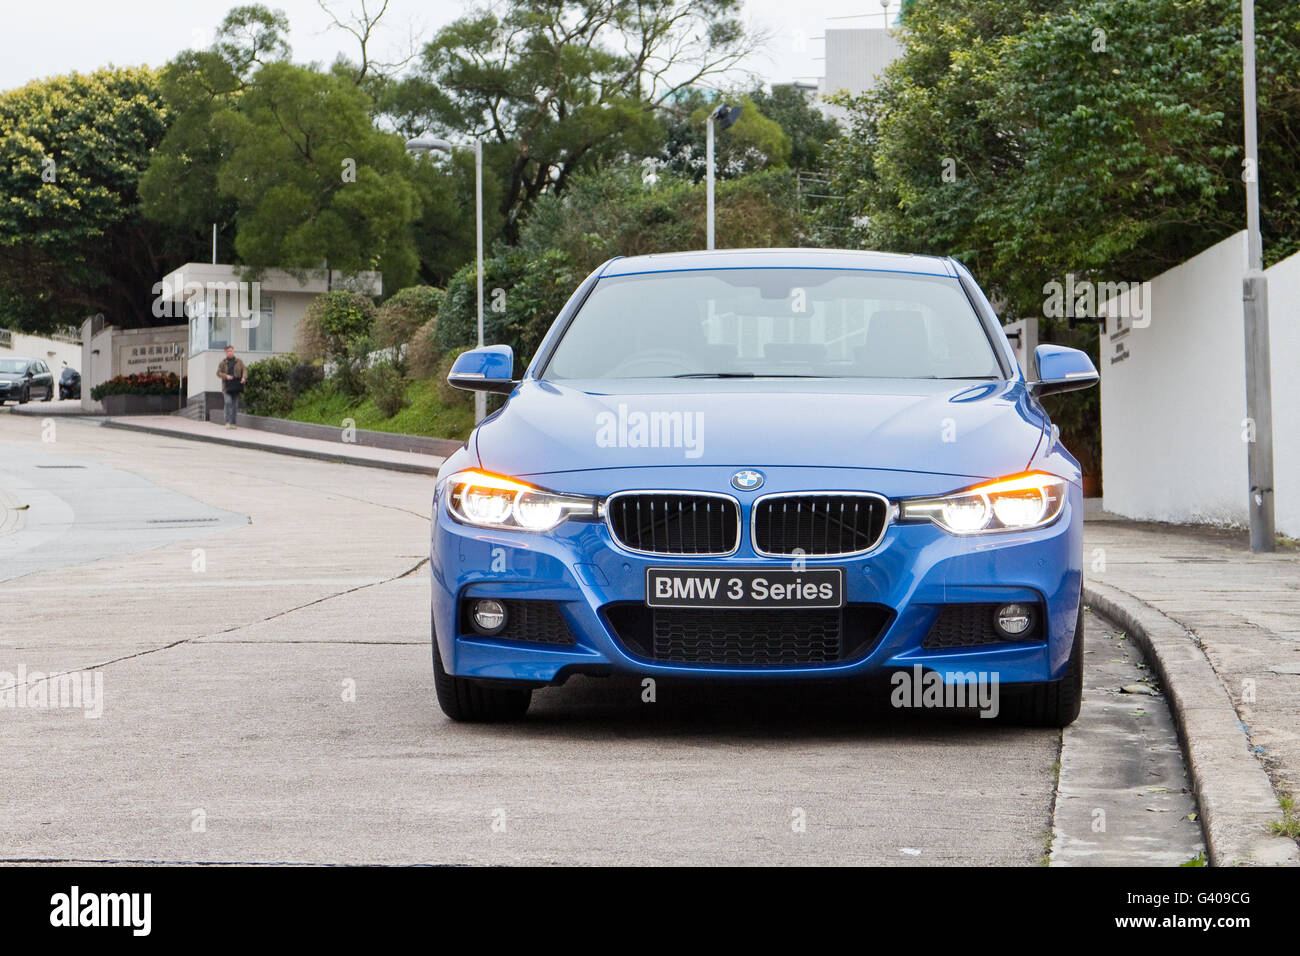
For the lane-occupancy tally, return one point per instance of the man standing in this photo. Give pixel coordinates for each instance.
(233, 376)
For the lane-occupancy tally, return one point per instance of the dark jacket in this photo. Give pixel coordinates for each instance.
(223, 369)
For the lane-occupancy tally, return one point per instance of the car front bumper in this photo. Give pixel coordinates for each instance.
(913, 574)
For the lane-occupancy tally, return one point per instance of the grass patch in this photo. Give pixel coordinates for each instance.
(425, 413)
(1289, 825)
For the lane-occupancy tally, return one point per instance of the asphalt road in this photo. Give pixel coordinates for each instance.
(261, 627)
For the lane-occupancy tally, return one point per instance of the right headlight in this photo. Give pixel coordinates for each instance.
(486, 500)
(1016, 503)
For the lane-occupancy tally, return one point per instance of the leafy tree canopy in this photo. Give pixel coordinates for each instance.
(73, 241)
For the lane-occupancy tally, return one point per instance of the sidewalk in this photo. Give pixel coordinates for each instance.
(1222, 626)
(175, 426)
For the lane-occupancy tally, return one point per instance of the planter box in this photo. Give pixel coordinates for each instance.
(141, 404)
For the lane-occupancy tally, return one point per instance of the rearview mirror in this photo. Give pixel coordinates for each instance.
(1062, 369)
(488, 369)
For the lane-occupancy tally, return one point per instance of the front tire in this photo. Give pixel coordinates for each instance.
(476, 702)
(25, 397)
(1052, 703)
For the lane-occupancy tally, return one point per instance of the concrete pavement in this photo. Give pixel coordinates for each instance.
(1222, 628)
(175, 426)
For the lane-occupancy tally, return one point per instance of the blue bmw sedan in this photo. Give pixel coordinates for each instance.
(763, 465)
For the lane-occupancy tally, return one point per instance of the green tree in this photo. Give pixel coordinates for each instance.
(179, 187)
(73, 240)
(316, 183)
(808, 128)
(613, 212)
(752, 143)
(558, 87)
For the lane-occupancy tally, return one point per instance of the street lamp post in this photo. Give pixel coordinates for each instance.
(724, 116)
(424, 144)
(1259, 389)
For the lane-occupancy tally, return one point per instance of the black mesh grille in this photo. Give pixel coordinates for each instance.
(818, 524)
(674, 524)
(537, 622)
(746, 637)
(969, 625)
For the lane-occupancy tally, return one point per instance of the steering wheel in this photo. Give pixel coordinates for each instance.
(653, 361)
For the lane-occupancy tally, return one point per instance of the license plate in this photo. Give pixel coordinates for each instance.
(744, 587)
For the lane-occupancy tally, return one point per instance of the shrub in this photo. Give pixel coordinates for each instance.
(275, 383)
(449, 396)
(350, 367)
(303, 376)
(143, 383)
(522, 295)
(267, 391)
(422, 353)
(399, 319)
(386, 387)
(333, 323)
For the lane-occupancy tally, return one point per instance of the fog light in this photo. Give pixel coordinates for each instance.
(1013, 620)
(489, 617)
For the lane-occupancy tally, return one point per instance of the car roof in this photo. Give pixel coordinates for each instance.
(780, 259)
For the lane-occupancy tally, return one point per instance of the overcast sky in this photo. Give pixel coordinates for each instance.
(48, 37)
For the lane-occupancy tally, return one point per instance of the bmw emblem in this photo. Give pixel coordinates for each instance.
(747, 480)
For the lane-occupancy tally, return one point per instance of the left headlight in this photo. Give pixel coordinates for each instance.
(485, 500)
(1017, 503)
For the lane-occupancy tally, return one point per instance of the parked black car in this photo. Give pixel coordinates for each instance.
(22, 379)
(69, 383)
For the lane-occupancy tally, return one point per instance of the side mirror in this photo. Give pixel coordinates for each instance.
(488, 369)
(1061, 369)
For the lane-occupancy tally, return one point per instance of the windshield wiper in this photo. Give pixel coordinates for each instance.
(742, 375)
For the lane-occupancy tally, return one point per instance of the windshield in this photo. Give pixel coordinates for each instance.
(764, 322)
(13, 365)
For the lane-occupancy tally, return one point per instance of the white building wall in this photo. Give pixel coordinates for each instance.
(855, 59)
(1173, 395)
(1284, 340)
(53, 352)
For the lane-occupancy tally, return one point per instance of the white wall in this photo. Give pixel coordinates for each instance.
(855, 59)
(1173, 396)
(112, 351)
(1284, 340)
(53, 352)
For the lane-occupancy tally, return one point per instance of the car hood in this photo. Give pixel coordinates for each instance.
(11, 376)
(978, 430)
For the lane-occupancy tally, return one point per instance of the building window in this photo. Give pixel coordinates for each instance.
(219, 336)
(197, 310)
(260, 325)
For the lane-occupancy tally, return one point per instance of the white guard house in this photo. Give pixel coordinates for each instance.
(259, 317)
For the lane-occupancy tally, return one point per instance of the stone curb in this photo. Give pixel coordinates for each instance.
(279, 449)
(1236, 799)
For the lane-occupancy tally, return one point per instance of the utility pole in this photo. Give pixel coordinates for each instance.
(1259, 386)
(708, 187)
(724, 116)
